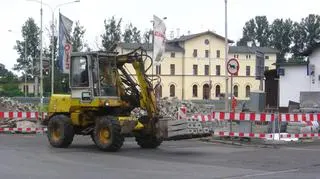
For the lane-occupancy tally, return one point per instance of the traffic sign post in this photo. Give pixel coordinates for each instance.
(233, 69)
(233, 66)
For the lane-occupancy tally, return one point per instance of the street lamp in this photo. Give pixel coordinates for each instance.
(52, 37)
(25, 66)
(226, 58)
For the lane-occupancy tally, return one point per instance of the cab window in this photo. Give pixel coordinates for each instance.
(79, 72)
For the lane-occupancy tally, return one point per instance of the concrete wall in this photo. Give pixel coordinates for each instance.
(315, 59)
(294, 80)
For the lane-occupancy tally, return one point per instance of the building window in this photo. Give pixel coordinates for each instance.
(158, 69)
(248, 56)
(172, 91)
(248, 70)
(218, 70)
(195, 91)
(172, 55)
(172, 69)
(266, 68)
(217, 90)
(235, 90)
(195, 69)
(266, 57)
(206, 91)
(206, 70)
(236, 56)
(247, 91)
(207, 53)
(218, 53)
(195, 52)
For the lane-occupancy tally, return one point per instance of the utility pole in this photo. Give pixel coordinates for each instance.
(52, 55)
(41, 66)
(25, 67)
(226, 58)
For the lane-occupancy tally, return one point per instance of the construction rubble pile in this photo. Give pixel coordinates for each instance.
(170, 107)
(187, 126)
(7, 104)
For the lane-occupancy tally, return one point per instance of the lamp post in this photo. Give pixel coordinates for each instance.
(226, 57)
(52, 38)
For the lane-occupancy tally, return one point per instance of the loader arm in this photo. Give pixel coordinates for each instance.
(146, 93)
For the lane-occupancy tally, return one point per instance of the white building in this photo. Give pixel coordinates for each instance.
(300, 76)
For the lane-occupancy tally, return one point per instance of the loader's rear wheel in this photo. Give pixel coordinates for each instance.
(107, 134)
(147, 141)
(60, 131)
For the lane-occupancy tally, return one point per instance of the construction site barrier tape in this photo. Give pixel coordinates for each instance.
(265, 136)
(261, 117)
(241, 116)
(24, 130)
(21, 115)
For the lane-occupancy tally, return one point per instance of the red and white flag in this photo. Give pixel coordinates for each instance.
(159, 37)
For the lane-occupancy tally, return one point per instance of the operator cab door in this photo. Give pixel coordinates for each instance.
(81, 78)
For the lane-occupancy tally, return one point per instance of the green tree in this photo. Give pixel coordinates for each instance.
(262, 30)
(298, 39)
(146, 36)
(30, 43)
(131, 34)
(311, 26)
(77, 37)
(257, 31)
(9, 85)
(305, 34)
(112, 34)
(281, 35)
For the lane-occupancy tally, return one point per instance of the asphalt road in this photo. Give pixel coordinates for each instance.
(31, 157)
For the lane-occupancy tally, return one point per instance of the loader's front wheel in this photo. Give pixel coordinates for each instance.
(147, 141)
(107, 134)
(60, 131)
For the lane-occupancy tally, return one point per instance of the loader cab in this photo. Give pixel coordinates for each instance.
(92, 77)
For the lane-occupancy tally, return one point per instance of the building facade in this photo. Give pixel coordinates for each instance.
(300, 77)
(192, 61)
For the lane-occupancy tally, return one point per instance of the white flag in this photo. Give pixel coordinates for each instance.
(159, 37)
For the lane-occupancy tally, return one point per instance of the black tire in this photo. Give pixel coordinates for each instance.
(114, 139)
(147, 141)
(60, 131)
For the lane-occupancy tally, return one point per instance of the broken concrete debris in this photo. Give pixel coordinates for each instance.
(7, 104)
(170, 107)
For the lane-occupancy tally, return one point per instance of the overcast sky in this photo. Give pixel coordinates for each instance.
(188, 15)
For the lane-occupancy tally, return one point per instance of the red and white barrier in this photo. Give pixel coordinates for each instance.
(259, 117)
(21, 115)
(24, 130)
(242, 134)
(266, 136)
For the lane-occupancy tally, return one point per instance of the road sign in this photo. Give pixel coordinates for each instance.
(233, 66)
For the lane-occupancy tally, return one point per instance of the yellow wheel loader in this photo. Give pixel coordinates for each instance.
(103, 94)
